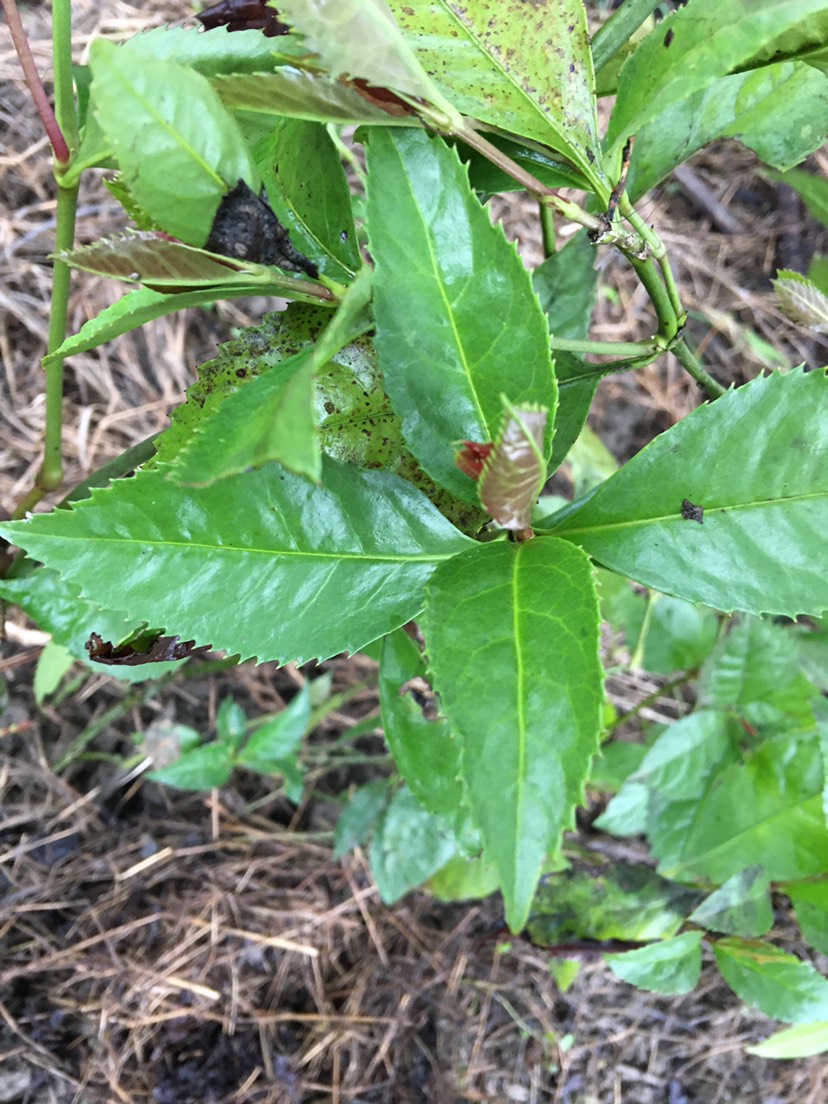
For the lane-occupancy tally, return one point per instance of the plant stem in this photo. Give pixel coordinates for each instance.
(668, 326)
(691, 363)
(531, 183)
(547, 221)
(65, 107)
(619, 28)
(55, 134)
(658, 252)
(607, 348)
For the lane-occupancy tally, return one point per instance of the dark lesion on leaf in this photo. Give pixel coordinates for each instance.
(147, 648)
(691, 512)
(246, 229)
(425, 697)
(243, 15)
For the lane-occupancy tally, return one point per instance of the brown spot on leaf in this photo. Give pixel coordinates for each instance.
(691, 512)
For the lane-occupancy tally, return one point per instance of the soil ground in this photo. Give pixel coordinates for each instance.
(168, 948)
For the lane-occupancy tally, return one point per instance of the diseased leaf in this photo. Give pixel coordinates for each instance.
(777, 983)
(457, 320)
(423, 746)
(273, 417)
(523, 69)
(801, 300)
(177, 145)
(337, 565)
(618, 901)
(246, 228)
(302, 172)
(512, 638)
(741, 906)
(515, 470)
(296, 94)
(764, 498)
(671, 966)
(359, 39)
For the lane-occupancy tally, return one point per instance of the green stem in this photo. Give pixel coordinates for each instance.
(619, 29)
(547, 196)
(607, 348)
(658, 252)
(668, 326)
(65, 107)
(547, 221)
(691, 363)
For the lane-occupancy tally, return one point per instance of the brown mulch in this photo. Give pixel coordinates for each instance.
(164, 948)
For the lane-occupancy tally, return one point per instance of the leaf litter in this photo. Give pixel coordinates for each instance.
(167, 947)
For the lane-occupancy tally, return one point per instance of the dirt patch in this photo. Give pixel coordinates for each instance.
(164, 948)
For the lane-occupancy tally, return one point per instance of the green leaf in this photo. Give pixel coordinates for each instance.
(463, 879)
(764, 498)
(408, 847)
(810, 900)
(138, 307)
(672, 966)
(801, 300)
(736, 677)
(617, 901)
(794, 1042)
(691, 50)
(274, 416)
(742, 906)
(270, 420)
(508, 65)
(204, 768)
(577, 383)
(220, 51)
(57, 607)
(296, 94)
(512, 638)
(177, 145)
(515, 471)
(457, 321)
(813, 189)
(305, 182)
(766, 810)
(262, 564)
(52, 664)
(665, 791)
(279, 738)
(359, 816)
(565, 284)
(424, 749)
(780, 112)
(359, 38)
(231, 723)
(777, 983)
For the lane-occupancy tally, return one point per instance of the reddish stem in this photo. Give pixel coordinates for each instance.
(35, 84)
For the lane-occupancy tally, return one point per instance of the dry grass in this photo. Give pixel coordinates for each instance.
(168, 949)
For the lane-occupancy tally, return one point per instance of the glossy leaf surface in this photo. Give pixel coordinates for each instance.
(338, 565)
(297, 94)
(424, 749)
(512, 637)
(302, 172)
(777, 983)
(178, 146)
(457, 321)
(526, 71)
(671, 966)
(211, 54)
(764, 498)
